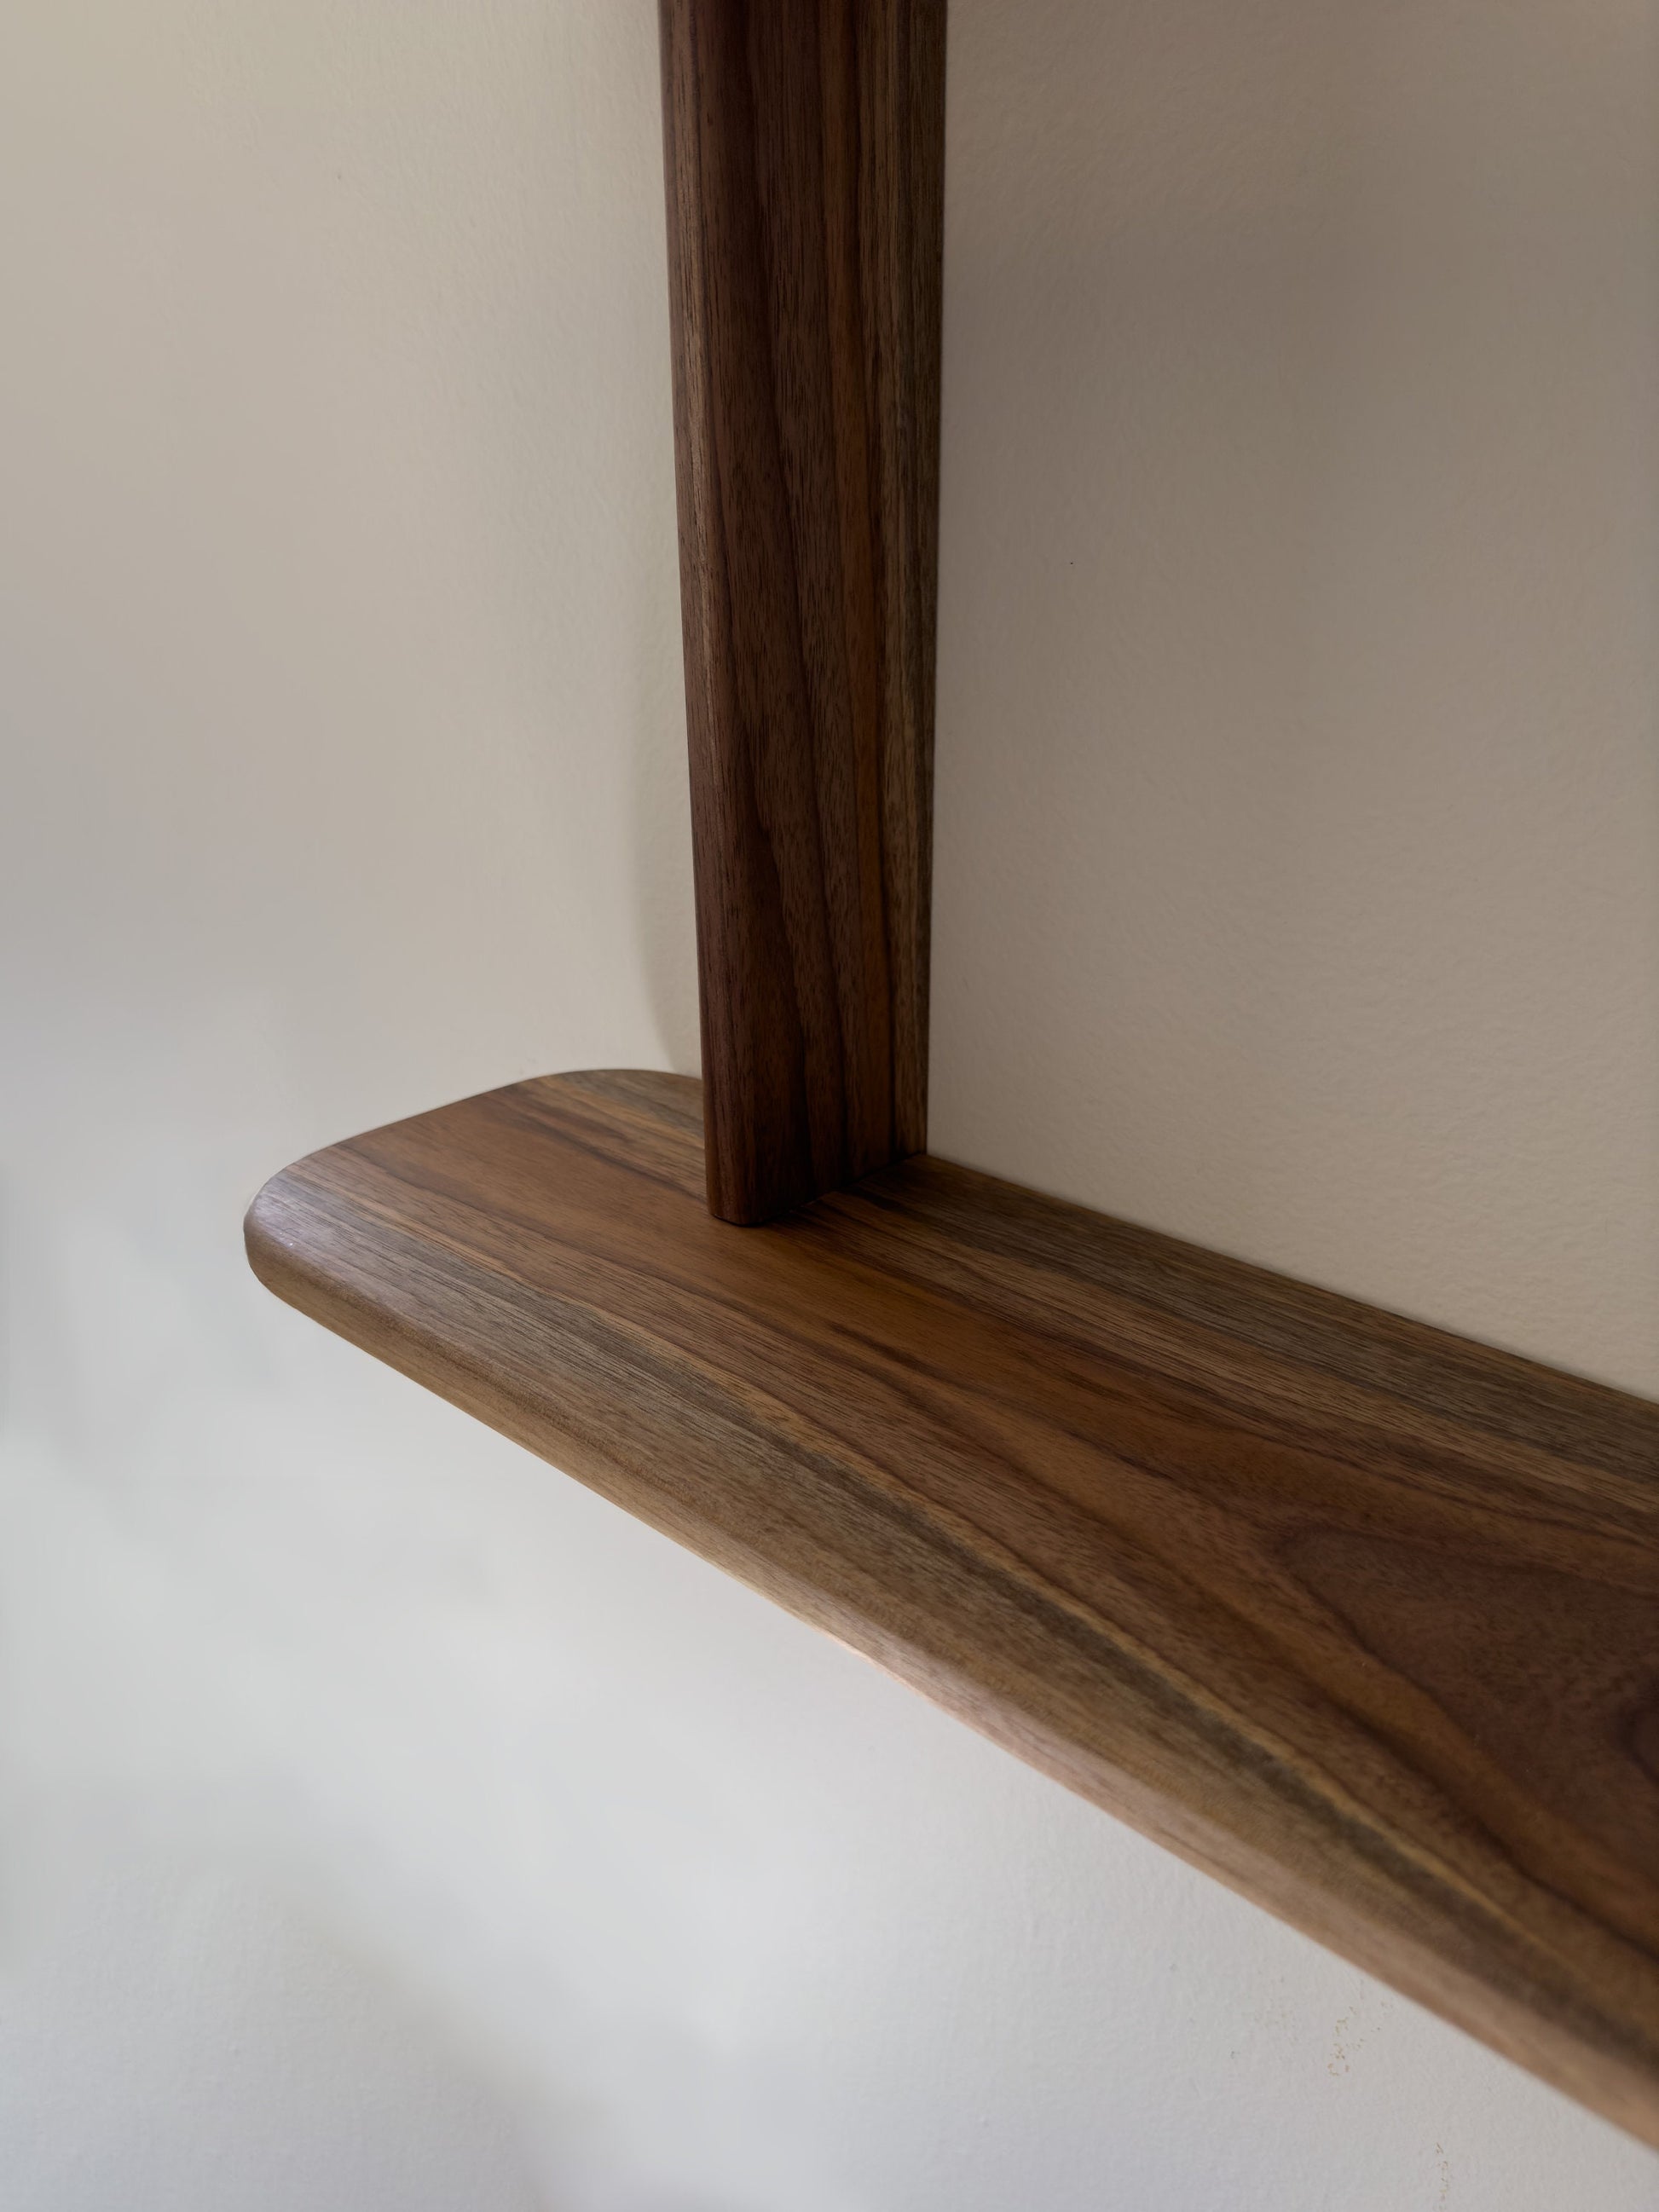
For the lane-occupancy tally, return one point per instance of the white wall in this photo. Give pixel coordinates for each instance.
(388, 1824)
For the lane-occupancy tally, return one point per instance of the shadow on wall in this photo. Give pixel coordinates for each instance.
(315, 2081)
(1298, 828)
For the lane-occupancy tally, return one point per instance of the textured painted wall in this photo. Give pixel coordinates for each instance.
(1298, 828)
(387, 1825)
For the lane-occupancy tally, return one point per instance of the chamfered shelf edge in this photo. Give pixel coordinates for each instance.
(1359, 1617)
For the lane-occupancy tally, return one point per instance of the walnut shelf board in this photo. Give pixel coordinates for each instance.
(1356, 1616)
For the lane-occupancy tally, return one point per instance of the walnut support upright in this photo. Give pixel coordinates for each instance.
(803, 153)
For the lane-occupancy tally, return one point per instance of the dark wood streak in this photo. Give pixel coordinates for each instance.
(803, 158)
(1359, 1617)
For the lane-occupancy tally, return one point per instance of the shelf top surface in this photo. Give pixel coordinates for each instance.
(1362, 1617)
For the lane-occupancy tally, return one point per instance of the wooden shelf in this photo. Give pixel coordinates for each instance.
(1361, 1618)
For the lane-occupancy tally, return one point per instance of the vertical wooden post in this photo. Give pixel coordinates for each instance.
(804, 144)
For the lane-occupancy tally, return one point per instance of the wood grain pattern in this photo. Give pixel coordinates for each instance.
(804, 157)
(1359, 1617)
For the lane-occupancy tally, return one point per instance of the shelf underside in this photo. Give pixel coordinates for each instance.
(1358, 1617)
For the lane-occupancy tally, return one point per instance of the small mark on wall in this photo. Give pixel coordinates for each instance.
(1351, 2031)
